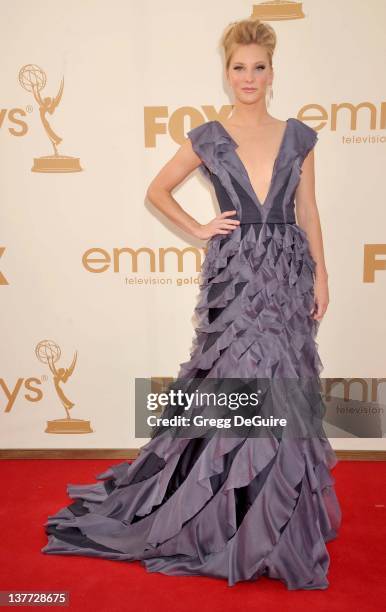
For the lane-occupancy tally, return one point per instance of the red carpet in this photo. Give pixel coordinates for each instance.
(32, 489)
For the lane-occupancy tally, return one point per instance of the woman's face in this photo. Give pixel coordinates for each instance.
(249, 73)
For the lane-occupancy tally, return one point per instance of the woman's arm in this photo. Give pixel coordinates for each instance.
(172, 174)
(308, 219)
(183, 162)
(308, 215)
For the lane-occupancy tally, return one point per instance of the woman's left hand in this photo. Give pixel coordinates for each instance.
(321, 297)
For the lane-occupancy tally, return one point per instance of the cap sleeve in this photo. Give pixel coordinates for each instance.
(201, 138)
(308, 138)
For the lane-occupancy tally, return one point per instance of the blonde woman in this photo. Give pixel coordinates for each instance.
(242, 506)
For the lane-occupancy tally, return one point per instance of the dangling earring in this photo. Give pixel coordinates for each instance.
(270, 95)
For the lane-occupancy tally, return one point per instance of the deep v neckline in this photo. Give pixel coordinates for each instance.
(244, 169)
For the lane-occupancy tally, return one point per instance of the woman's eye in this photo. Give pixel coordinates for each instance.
(258, 67)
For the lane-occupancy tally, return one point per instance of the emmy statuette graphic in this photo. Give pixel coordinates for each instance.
(49, 352)
(32, 78)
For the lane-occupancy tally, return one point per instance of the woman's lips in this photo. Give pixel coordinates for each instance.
(248, 89)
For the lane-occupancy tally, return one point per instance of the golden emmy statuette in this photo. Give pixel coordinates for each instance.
(32, 78)
(49, 352)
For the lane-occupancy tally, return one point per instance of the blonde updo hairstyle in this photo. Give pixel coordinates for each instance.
(245, 32)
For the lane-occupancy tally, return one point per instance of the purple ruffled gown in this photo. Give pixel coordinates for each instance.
(229, 508)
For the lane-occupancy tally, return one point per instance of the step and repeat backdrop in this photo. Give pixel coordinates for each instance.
(97, 287)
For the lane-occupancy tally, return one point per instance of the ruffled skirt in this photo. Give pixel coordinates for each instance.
(236, 507)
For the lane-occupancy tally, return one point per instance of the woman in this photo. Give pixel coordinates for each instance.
(235, 507)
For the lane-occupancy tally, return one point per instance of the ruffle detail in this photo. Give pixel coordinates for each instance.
(307, 138)
(211, 144)
(261, 279)
(245, 508)
(215, 148)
